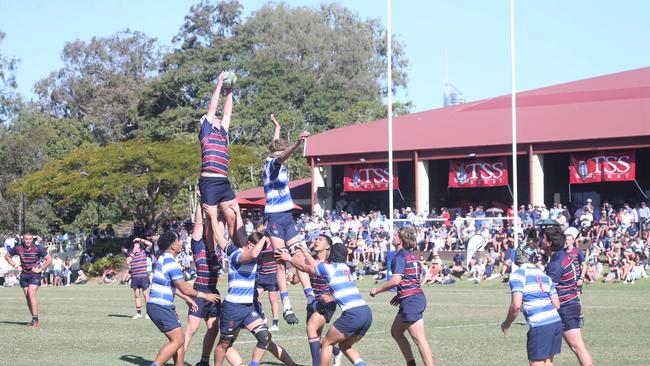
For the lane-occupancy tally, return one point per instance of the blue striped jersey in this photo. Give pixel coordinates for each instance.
(29, 257)
(537, 289)
(241, 277)
(208, 265)
(214, 149)
(342, 284)
(276, 187)
(166, 272)
(138, 265)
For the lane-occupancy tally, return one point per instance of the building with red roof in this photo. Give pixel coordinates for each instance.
(579, 120)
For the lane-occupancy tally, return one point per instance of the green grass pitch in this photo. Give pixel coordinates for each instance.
(91, 325)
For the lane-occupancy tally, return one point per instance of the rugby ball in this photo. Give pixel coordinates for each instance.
(229, 79)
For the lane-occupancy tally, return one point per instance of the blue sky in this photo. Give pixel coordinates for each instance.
(557, 41)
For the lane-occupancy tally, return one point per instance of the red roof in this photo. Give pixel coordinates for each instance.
(610, 106)
(254, 194)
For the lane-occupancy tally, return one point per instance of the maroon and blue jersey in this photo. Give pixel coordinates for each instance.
(138, 266)
(266, 262)
(208, 265)
(214, 149)
(319, 285)
(407, 265)
(577, 257)
(29, 257)
(565, 277)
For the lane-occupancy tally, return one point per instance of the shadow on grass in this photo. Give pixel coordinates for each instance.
(137, 360)
(13, 323)
(118, 316)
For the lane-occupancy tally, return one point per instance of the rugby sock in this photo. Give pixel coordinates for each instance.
(253, 363)
(153, 364)
(410, 363)
(336, 350)
(285, 300)
(205, 358)
(34, 318)
(359, 362)
(309, 293)
(138, 309)
(275, 322)
(314, 348)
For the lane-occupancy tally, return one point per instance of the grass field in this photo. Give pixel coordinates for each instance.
(91, 325)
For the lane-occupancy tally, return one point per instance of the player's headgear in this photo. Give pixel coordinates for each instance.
(525, 254)
(338, 253)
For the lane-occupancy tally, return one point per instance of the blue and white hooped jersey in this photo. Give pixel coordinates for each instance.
(241, 277)
(342, 283)
(537, 289)
(163, 289)
(276, 187)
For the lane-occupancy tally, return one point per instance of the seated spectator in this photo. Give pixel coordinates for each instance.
(458, 269)
(81, 278)
(613, 274)
(108, 276)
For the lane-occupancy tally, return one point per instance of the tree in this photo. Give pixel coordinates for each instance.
(206, 24)
(142, 178)
(101, 83)
(318, 68)
(26, 145)
(8, 95)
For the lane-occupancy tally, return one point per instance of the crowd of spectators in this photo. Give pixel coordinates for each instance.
(613, 240)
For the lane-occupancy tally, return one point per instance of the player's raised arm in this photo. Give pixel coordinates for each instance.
(227, 111)
(287, 151)
(307, 265)
(276, 128)
(214, 101)
(197, 232)
(251, 254)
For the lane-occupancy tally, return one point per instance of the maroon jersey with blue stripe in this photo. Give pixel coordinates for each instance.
(266, 262)
(562, 270)
(29, 257)
(577, 257)
(214, 149)
(208, 265)
(138, 265)
(407, 265)
(319, 285)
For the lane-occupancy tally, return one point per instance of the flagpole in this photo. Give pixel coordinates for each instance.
(389, 36)
(513, 97)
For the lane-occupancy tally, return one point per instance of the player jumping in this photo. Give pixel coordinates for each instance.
(281, 227)
(213, 183)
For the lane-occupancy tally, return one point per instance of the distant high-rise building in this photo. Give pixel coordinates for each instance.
(452, 95)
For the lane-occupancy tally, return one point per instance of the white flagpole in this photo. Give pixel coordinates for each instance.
(389, 36)
(514, 125)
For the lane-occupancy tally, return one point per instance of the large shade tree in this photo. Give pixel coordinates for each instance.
(142, 178)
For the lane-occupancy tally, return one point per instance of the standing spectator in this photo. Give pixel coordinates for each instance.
(67, 270)
(57, 270)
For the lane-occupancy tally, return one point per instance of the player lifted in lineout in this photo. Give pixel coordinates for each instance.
(213, 182)
(280, 226)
